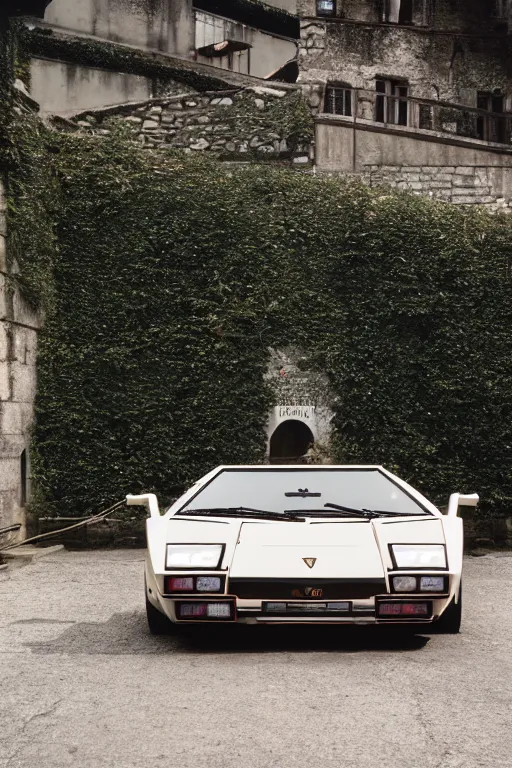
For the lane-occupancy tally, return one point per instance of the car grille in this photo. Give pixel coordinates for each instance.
(309, 589)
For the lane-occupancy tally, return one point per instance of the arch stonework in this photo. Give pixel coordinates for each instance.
(300, 395)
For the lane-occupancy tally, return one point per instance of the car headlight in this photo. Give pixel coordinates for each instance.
(405, 583)
(193, 555)
(419, 555)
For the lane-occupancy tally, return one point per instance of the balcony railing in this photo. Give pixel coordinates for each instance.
(425, 114)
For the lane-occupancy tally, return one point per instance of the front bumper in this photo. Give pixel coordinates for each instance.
(355, 612)
(272, 602)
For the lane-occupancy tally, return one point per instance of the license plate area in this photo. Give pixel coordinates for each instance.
(274, 608)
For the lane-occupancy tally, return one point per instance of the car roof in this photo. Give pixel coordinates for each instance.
(297, 466)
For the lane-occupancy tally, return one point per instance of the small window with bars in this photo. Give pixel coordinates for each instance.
(338, 99)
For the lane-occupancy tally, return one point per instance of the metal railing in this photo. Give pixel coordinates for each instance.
(424, 114)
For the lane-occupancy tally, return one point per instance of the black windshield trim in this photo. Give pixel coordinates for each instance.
(255, 514)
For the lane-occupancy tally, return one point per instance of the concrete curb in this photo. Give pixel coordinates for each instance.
(26, 554)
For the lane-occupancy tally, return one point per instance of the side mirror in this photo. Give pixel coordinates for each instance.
(147, 500)
(461, 500)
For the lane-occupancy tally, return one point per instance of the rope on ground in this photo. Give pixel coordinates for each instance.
(90, 521)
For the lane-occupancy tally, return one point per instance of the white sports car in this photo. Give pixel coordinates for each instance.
(304, 545)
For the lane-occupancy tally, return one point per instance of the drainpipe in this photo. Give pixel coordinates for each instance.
(354, 130)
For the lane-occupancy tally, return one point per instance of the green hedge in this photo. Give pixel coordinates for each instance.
(175, 277)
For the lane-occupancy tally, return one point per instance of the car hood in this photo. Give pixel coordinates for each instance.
(281, 550)
(347, 549)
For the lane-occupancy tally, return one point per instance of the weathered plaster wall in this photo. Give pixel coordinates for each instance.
(18, 339)
(356, 54)
(167, 25)
(267, 53)
(455, 170)
(63, 88)
(231, 124)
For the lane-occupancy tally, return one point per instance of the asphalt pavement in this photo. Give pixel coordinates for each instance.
(82, 683)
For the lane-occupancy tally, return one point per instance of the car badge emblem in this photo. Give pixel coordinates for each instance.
(310, 561)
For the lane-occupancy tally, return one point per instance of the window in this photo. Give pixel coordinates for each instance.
(326, 7)
(267, 489)
(391, 104)
(398, 11)
(338, 99)
(492, 127)
(501, 9)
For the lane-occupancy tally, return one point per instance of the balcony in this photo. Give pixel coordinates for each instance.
(396, 109)
(361, 128)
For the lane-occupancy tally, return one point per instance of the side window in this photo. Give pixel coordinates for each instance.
(338, 99)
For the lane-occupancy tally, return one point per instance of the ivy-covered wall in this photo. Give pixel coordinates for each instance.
(177, 275)
(28, 203)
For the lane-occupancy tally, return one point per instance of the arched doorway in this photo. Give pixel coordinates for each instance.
(289, 442)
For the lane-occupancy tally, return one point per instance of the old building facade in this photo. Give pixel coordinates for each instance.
(413, 93)
(237, 36)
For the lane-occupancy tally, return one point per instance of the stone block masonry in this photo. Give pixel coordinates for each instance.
(18, 340)
(486, 186)
(246, 124)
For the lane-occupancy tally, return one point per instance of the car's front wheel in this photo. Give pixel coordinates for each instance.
(450, 621)
(158, 623)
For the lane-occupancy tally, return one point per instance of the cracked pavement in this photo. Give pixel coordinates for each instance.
(84, 684)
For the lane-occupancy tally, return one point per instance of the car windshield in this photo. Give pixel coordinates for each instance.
(279, 490)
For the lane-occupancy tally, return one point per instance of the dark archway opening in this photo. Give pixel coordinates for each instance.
(290, 441)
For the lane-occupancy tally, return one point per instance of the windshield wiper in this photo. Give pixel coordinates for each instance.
(323, 513)
(241, 512)
(371, 513)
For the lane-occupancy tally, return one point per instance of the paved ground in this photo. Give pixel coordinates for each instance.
(82, 683)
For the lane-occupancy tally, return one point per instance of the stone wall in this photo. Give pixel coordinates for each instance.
(435, 64)
(18, 340)
(460, 185)
(475, 17)
(300, 394)
(455, 169)
(244, 124)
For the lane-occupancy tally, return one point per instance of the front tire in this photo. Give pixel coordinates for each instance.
(450, 621)
(158, 623)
